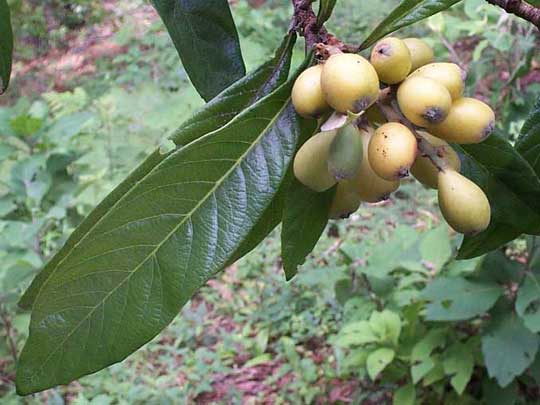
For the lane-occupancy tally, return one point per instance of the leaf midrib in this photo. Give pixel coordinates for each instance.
(122, 198)
(166, 238)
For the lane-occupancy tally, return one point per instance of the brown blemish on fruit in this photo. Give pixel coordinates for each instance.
(383, 49)
(403, 172)
(361, 104)
(434, 115)
(487, 130)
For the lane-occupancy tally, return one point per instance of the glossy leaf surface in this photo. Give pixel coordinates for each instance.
(205, 37)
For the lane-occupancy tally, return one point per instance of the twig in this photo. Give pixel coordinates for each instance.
(453, 54)
(304, 22)
(9, 336)
(521, 9)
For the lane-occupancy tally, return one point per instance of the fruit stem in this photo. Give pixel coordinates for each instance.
(304, 22)
(389, 108)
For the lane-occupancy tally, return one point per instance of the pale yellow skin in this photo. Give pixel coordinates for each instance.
(421, 52)
(463, 204)
(392, 151)
(392, 60)
(370, 187)
(423, 168)
(349, 83)
(310, 163)
(346, 201)
(469, 121)
(307, 96)
(423, 101)
(449, 75)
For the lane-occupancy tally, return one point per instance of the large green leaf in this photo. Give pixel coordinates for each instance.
(408, 12)
(6, 45)
(457, 299)
(508, 347)
(174, 229)
(513, 189)
(304, 219)
(213, 116)
(528, 143)
(205, 36)
(527, 302)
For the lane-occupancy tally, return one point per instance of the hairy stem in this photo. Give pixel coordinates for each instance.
(521, 9)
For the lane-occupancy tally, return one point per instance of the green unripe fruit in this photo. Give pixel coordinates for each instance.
(392, 60)
(311, 162)
(345, 202)
(307, 96)
(423, 101)
(370, 187)
(463, 204)
(423, 168)
(346, 153)
(449, 75)
(392, 151)
(469, 121)
(421, 52)
(349, 83)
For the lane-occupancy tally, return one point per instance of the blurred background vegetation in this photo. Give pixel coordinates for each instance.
(98, 85)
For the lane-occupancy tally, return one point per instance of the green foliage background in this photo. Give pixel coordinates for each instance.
(61, 153)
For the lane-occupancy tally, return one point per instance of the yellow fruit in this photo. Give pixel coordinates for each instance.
(307, 95)
(421, 52)
(392, 60)
(463, 204)
(311, 162)
(392, 151)
(423, 168)
(349, 83)
(449, 75)
(375, 116)
(423, 101)
(345, 155)
(469, 121)
(346, 201)
(370, 187)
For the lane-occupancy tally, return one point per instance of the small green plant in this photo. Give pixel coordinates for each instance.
(431, 329)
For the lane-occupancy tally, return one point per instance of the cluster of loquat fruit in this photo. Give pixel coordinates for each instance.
(401, 127)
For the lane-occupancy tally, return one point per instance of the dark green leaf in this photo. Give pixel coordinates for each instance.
(325, 11)
(533, 251)
(6, 45)
(408, 12)
(456, 299)
(274, 213)
(528, 302)
(513, 190)
(205, 37)
(500, 269)
(508, 347)
(528, 143)
(175, 228)
(304, 219)
(213, 116)
(495, 395)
